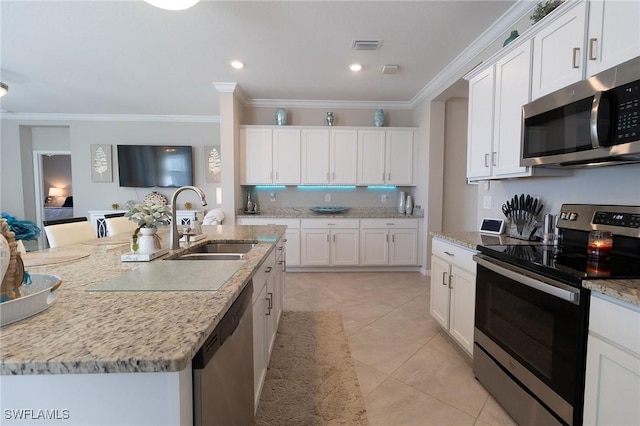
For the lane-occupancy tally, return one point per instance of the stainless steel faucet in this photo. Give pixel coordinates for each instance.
(175, 234)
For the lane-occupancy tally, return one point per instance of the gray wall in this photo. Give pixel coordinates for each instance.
(21, 137)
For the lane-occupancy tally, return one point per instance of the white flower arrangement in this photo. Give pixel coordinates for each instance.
(149, 214)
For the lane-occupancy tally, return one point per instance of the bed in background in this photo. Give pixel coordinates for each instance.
(59, 212)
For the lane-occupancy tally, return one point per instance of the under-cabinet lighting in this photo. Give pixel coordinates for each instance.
(382, 187)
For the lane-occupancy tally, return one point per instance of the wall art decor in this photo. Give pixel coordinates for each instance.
(101, 166)
(213, 164)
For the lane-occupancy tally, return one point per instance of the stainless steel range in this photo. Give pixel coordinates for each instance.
(531, 315)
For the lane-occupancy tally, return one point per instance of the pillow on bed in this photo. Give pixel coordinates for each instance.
(68, 202)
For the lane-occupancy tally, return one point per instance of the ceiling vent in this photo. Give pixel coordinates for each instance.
(389, 69)
(366, 44)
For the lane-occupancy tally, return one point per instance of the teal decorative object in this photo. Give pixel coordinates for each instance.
(330, 119)
(281, 117)
(378, 118)
(514, 35)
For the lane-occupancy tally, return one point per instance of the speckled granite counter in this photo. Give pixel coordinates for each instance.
(108, 332)
(352, 213)
(625, 290)
(471, 239)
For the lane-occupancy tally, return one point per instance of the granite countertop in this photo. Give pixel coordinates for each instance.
(625, 290)
(124, 332)
(352, 213)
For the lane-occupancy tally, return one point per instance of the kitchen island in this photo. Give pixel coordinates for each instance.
(145, 340)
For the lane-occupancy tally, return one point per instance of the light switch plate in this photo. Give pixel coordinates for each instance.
(486, 202)
(383, 198)
(327, 198)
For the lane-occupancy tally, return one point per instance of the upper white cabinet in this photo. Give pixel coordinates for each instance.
(270, 156)
(613, 35)
(329, 156)
(558, 51)
(386, 157)
(496, 96)
(583, 39)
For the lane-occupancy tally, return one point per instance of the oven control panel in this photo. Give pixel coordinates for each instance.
(620, 220)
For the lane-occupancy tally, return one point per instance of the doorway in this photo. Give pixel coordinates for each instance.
(53, 187)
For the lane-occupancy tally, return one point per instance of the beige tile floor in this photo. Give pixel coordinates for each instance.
(410, 371)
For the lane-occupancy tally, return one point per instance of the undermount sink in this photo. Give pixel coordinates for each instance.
(210, 256)
(216, 251)
(222, 248)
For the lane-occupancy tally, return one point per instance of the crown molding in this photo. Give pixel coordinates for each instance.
(110, 117)
(461, 63)
(303, 103)
(225, 87)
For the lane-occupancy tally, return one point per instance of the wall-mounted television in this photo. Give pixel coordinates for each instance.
(143, 166)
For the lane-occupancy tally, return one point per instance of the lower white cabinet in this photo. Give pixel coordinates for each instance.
(332, 242)
(389, 242)
(268, 299)
(612, 384)
(453, 288)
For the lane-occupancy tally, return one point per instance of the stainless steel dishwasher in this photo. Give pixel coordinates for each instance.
(223, 369)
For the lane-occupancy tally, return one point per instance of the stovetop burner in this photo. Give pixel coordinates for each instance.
(567, 263)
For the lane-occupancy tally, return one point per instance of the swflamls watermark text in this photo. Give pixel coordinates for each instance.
(36, 414)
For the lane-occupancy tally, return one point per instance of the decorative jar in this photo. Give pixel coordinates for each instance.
(378, 118)
(330, 119)
(600, 245)
(281, 117)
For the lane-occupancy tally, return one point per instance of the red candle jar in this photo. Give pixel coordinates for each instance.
(600, 244)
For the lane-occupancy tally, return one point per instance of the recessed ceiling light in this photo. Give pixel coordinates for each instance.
(172, 4)
(237, 64)
(355, 67)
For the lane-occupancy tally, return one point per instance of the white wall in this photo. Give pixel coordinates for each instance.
(604, 185)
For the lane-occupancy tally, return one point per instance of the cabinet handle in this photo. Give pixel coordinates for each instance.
(444, 277)
(448, 254)
(576, 51)
(270, 175)
(592, 49)
(383, 176)
(334, 238)
(284, 240)
(331, 224)
(269, 268)
(327, 176)
(327, 237)
(486, 160)
(450, 276)
(277, 175)
(494, 155)
(387, 237)
(333, 175)
(280, 248)
(270, 300)
(393, 238)
(390, 223)
(389, 177)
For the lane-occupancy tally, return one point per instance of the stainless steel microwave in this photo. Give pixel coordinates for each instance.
(595, 122)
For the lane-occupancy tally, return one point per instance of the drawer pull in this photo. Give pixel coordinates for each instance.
(444, 277)
(450, 276)
(574, 62)
(390, 224)
(448, 254)
(592, 49)
(268, 270)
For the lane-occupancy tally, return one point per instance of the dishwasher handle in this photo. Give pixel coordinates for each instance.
(225, 328)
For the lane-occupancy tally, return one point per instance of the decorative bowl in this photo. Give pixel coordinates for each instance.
(35, 298)
(329, 210)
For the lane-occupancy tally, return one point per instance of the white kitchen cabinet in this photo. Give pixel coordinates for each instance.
(268, 297)
(613, 35)
(612, 384)
(329, 156)
(453, 283)
(480, 124)
(332, 242)
(496, 96)
(270, 156)
(386, 157)
(291, 235)
(389, 242)
(558, 50)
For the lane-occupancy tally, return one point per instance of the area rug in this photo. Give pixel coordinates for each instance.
(311, 378)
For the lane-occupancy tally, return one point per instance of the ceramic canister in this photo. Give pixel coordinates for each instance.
(401, 200)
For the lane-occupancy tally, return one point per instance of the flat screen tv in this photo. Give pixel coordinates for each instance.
(154, 165)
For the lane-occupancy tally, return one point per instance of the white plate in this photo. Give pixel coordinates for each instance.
(36, 297)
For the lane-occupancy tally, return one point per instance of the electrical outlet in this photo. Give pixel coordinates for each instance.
(486, 202)
(383, 198)
(327, 198)
(272, 196)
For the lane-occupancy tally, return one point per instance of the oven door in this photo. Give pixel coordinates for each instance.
(535, 329)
